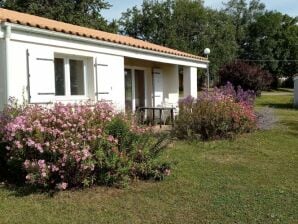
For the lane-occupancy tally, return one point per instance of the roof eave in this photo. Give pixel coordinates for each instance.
(95, 41)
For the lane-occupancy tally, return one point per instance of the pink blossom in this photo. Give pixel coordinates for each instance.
(26, 164)
(55, 168)
(62, 186)
(110, 138)
(18, 144)
(39, 147)
(167, 172)
(30, 142)
(43, 174)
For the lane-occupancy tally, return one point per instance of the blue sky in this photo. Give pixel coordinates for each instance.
(285, 6)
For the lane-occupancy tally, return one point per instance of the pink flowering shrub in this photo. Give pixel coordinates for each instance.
(69, 146)
(218, 114)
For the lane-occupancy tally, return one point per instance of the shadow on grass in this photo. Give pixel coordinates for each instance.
(284, 90)
(292, 127)
(26, 190)
(278, 105)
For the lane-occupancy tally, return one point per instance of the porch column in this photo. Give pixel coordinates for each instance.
(190, 81)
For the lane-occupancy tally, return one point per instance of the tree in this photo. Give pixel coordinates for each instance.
(219, 36)
(272, 43)
(266, 38)
(184, 25)
(80, 12)
(151, 23)
(243, 14)
(249, 77)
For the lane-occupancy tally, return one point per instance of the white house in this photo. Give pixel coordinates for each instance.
(45, 61)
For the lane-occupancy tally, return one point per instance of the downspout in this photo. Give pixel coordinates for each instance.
(7, 35)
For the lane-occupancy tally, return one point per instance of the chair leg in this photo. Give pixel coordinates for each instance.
(172, 117)
(160, 113)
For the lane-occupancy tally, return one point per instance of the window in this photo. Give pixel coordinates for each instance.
(181, 84)
(76, 77)
(59, 77)
(70, 76)
(128, 90)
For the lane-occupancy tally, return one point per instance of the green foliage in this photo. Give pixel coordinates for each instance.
(207, 121)
(249, 77)
(183, 25)
(288, 83)
(243, 29)
(144, 149)
(272, 42)
(242, 14)
(119, 128)
(3, 165)
(222, 113)
(84, 12)
(252, 179)
(76, 146)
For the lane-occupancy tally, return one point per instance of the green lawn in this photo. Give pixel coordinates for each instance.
(249, 180)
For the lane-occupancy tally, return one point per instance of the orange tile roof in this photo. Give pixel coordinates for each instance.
(48, 24)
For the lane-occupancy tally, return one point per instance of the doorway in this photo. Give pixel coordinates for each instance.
(135, 89)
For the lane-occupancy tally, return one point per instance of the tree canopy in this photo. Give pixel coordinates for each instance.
(80, 12)
(184, 25)
(271, 42)
(243, 30)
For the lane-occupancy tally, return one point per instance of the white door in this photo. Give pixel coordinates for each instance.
(157, 88)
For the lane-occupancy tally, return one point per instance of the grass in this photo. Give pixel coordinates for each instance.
(249, 180)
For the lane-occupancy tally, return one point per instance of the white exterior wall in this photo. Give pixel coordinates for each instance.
(95, 52)
(190, 82)
(51, 38)
(296, 91)
(18, 69)
(171, 84)
(2, 79)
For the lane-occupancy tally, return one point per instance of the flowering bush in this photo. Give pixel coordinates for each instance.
(76, 145)
(218, 114)
(246, 75)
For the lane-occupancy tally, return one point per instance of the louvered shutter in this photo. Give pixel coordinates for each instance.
(157, 87)
(41, 76)
(103, 82)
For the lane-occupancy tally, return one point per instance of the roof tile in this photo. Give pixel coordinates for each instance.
(43, 23)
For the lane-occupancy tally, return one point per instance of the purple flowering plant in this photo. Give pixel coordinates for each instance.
(222, 113)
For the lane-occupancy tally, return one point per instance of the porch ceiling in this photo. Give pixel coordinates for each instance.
(142, 63)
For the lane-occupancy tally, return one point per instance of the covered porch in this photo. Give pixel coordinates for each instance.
(152, 84)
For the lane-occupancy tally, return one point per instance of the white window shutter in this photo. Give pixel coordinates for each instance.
(103, 84)
(41, 76)
(157, 87)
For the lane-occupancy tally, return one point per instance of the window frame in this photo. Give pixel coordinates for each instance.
(67, 79)
(146, 91)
